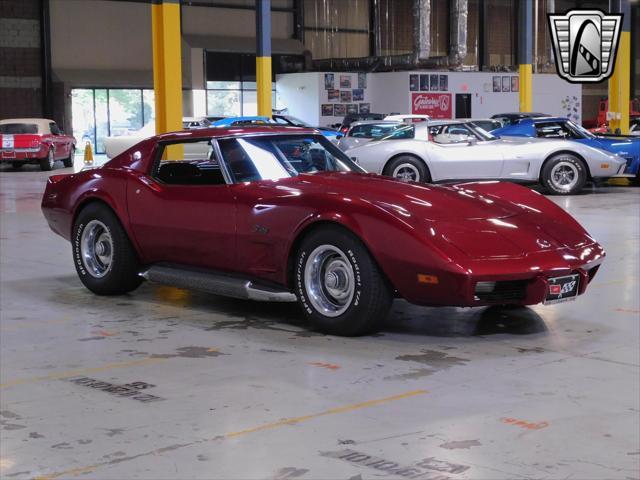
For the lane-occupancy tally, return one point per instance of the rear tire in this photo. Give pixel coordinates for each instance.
(338, 284)
(47, 163)
(102, 253)
(407, 168)
(563, 174)
(68, 162)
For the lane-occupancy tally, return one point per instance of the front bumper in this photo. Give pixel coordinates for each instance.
(519, 281)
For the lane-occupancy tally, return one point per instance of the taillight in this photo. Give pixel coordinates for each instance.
(344, 130)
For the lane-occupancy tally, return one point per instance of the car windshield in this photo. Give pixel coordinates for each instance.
(271, 157)
(374, 130)
(402, 132)
(580, 130)
(296, 122)
(18, 128)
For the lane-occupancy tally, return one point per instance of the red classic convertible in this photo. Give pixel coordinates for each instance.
(35, 140)
(281, 214)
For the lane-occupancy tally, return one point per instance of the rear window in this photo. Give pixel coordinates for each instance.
(374, 130)
(18, 128)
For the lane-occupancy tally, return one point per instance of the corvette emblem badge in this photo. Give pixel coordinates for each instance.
(585, 43)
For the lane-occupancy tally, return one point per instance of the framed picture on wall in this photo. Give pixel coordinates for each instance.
(506, 84)
(515, 84)
(328, 81)
(496, 84)
(358, 94)
(444, 82)
(345, 96)
(433, 82)
(333, 95)
(365, 108)
(345, 81)
(362, 80)
(352, 108)
(327, 110)
(424, 83)
(339, 110)
(414, 83)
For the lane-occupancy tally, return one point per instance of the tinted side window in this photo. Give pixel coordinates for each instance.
(188, 163)
(553, 130)
(53, 128)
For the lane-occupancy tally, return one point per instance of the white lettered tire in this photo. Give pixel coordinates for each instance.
(338, 284)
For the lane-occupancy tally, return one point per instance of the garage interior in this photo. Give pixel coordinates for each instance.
(238, 389)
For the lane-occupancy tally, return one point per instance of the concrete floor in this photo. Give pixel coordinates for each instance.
(241, 390)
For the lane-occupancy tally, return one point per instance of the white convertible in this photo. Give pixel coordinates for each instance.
(459, 150)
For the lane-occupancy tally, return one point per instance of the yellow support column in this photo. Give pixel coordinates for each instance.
(526, 88)
(167, 64)
(620, 81)
(263, 56)
(525, 54)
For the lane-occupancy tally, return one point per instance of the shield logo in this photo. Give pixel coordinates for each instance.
(585, 43)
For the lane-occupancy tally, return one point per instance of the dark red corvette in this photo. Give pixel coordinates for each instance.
(280, 214)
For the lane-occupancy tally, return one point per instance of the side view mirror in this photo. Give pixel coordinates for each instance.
(471, 140)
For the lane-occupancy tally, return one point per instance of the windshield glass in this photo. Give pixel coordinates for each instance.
(296, 122)
(402, 132)
(18, 128)
(273, 157)
(580, 130)
(481, 132)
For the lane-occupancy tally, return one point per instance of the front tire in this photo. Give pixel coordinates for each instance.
(47, 163)
(407, 168)
(102, 253)
(68, 162)
(338, 284)
(564, 174)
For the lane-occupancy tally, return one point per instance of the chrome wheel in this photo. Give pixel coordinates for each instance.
(564, 176)
(52, 160)
(329, 280)
(405, 172)
(96, 249)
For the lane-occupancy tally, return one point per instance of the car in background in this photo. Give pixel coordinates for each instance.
(195, 122)
(561, 128)
(35, 140)
(514, 117)
(487, 124)
(115, 145)
(292, 121)
(408, 118)
(449, 150)
(286, 216)
(360, 133)
(357, 117)
(634, 128)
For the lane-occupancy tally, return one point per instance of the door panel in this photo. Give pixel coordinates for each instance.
(464, 161)
(186, 224)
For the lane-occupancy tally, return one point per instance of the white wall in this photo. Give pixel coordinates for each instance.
(300, 93)
(389, 93)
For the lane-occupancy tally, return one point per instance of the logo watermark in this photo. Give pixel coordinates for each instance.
(585, 43)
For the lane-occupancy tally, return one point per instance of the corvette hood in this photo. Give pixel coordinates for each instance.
(481, 226)
(412, 200)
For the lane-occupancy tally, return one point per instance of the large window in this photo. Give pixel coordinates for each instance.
(99, 113)
(231, 81)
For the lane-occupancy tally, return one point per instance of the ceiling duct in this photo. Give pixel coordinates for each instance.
(458, 35)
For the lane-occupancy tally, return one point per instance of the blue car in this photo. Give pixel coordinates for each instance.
(240, 121)
(626, 147)
(296, 122)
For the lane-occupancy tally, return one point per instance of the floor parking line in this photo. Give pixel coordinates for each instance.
(267, 426)
(81, 371)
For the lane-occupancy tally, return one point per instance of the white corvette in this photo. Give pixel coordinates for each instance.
(459, 150)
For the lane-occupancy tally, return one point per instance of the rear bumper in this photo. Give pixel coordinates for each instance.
(520, 281)
(22, 154)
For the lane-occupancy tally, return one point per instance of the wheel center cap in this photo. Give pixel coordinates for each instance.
(331, 280)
